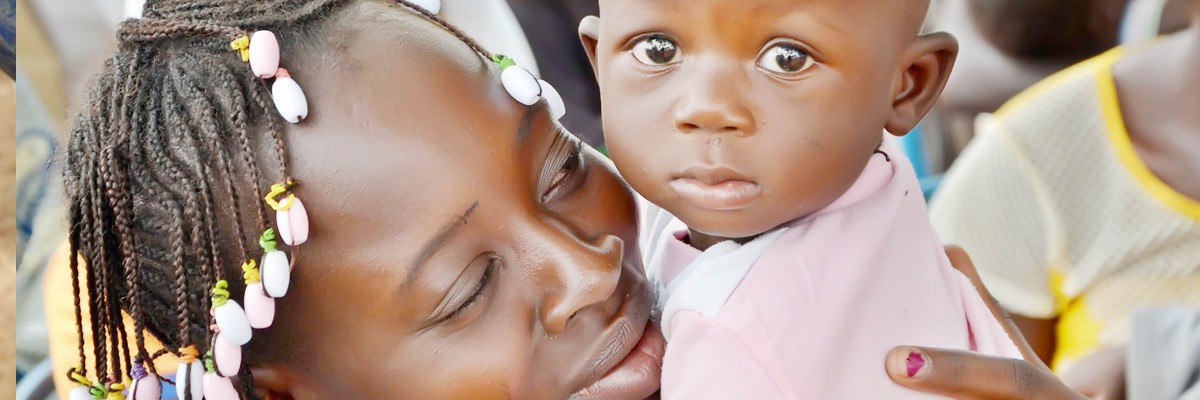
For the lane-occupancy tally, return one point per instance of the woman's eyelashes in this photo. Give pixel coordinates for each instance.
(784, 58)
(656, 50)
(479, 288)
(559, 178)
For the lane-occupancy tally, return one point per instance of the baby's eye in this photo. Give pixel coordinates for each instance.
(656, 50)
(785, 58)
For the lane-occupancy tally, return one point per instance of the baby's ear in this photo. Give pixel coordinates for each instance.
(589, 34)
(927, 65)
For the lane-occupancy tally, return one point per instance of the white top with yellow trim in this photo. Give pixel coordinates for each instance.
(1062, 217)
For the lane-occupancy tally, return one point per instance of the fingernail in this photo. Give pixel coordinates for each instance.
(914, 363)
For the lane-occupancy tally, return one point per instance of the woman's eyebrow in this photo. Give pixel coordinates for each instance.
(526, 125)
(437, 242)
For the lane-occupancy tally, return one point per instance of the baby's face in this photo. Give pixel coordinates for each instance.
(740, 116)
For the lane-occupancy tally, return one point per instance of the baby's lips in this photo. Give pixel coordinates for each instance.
(637, 377)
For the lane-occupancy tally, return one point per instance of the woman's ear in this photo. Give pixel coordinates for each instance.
(589, 34)
(928, 63)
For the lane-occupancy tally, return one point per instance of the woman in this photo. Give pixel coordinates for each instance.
(462, 244)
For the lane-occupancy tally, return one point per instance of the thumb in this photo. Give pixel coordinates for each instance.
(966, 376)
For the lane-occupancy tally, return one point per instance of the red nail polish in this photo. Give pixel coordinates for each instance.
(914, 363)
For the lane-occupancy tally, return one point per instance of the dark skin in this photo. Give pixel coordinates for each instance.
(1159, 91)
(799, 134)
(712, 97)
(359, 323)
(559, 287)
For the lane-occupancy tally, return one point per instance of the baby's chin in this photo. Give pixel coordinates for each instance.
(736, 225)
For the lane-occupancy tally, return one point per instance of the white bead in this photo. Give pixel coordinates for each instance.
(293, 223)
(276, 274)
(196, 371)
(146, 388)
(218, 387)
(553, 99)
(80, 393)
(231, 319)
(521, 85)
(433, 6)
(289, 99)
(226, 356)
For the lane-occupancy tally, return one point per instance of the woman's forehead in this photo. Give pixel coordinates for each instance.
(412, 129)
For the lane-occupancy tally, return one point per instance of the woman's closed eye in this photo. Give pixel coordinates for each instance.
(468, 290)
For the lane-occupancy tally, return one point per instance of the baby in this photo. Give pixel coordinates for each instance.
(792, 249)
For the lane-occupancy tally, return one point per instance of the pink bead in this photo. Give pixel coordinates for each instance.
(260, 308)
(218, 388)
(264, 54)
(226, 356)
(293, 223)
(146, 388)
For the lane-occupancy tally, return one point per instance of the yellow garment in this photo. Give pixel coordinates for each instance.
(60, 321)
(1062, 217)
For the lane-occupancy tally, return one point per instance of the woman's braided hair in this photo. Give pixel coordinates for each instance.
(164, 171)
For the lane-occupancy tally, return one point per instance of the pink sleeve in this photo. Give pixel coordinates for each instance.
(705, 360)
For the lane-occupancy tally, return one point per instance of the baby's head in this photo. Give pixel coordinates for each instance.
(740, 116)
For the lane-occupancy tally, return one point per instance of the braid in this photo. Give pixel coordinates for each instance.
(163, 174)
(458, 33)
(118, 193)
(73, 242)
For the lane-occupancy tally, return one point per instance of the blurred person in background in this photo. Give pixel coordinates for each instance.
(8, 227)
(1081, 203)
(1008, 45)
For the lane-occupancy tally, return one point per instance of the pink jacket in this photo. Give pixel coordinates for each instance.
(810, 311)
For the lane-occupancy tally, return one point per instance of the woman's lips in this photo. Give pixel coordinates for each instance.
(629, 364)
(717, 195)
(636, 376)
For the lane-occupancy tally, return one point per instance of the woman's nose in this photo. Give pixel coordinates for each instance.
(713, 103)
(582, 275)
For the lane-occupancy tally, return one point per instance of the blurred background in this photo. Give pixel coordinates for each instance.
(1006, 47)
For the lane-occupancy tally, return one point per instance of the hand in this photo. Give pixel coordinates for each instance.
(965, 375)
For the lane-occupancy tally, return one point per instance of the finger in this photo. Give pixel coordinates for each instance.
(640, 382)
(962, 262)
(964, 375)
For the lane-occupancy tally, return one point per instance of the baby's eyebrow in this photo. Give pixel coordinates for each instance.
(437, 242)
